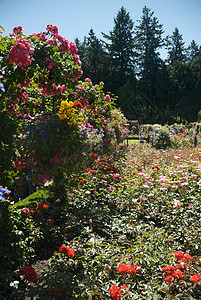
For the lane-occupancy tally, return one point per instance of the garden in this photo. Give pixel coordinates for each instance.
(83, 214)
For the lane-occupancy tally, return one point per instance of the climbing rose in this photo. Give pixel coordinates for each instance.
(19, 53)
(18, 29)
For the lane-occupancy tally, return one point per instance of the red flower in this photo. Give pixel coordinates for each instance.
(40, 205)
(138, 270)
(169, 278)
(115, 292)
(187, 256)
(179, 255)
(195, 278)
(31, 212)
(30, 273)
(68, 252)
(132, 270)
(178, 274)
(123, 268)
(77, 104)
(104, 123)
(63, 249)
(71, 252)
(168, 269)
(76, 180)
(32, 277)
(181, 267)
(124, 287)
(93, 156)
(45, 206)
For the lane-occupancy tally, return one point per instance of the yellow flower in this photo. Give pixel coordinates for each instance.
(115, 122)
(66, 110)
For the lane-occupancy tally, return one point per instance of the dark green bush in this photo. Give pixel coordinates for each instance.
(162, 139)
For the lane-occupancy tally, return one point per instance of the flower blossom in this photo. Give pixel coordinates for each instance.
(115, 292)
(20, 53)
(195, 278)
(70, 252)
(30, 273)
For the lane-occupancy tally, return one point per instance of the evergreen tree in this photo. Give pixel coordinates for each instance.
(175, 47)
(120, 47)
(94, 59)
(148, 37)
(193, 50)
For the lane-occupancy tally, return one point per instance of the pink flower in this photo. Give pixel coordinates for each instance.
(19, 53)
(177, 203)
(18, 30)
(44, 177)
(53, 29)
(25, 210)
(107, 98)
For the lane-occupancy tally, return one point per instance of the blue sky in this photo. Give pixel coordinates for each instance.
(75, 18)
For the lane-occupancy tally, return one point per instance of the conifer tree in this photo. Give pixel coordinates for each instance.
(94, 58)
(175, 47)
(119, 45)
(148, 38)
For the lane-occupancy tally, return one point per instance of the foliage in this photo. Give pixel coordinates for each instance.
(55, 112)
(7, 154)
(120, 48)
(112, 218)
(162, 139)
(132, 214)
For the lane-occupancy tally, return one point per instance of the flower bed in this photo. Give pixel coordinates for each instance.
(130, 229)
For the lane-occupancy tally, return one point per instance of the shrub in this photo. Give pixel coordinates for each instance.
(162, 139)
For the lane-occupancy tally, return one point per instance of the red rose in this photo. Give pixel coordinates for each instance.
(123, 268)
(169, 278)
(115, 292)
(40, 205)
(77, 104)
(132, 270)
(32, 277)
(195, 278)
(179, 255)
(178, 274)
(71, 252)
(138, 270)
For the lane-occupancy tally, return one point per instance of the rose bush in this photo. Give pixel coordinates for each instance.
(61, 119)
